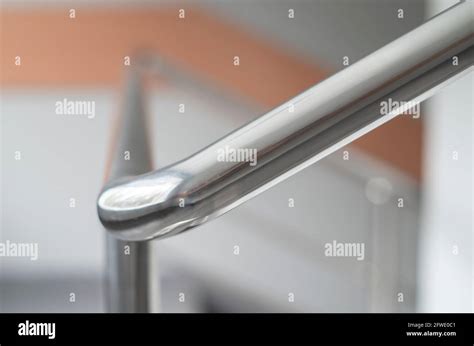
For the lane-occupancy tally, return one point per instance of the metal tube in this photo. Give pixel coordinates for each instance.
(293, 136)
(132, 282)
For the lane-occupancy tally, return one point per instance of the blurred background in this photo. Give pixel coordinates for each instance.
(404, 190)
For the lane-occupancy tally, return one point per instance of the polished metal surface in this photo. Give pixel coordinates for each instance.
(132, 277)
(293, 136)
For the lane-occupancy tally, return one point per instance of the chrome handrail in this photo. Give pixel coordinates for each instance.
(293, 136)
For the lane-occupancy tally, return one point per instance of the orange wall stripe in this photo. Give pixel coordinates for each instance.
(88, 50)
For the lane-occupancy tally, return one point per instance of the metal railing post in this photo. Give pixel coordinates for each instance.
(132, 276)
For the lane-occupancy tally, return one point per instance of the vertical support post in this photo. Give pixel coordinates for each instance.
(132, 277)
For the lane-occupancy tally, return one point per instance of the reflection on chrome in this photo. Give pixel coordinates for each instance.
(289, 138)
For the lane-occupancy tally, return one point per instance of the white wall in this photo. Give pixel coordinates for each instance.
(445, 275)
